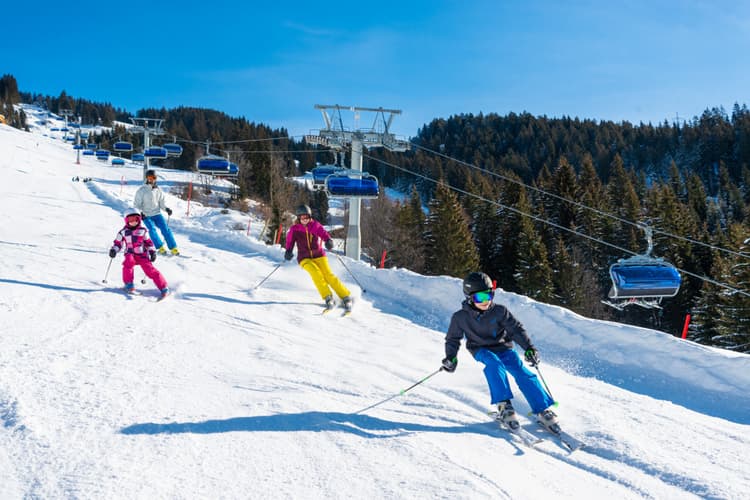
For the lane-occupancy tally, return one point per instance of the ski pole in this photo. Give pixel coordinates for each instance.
(400, 393)
(269, 275)
(352, 275)
(107, 272)
(545, 384)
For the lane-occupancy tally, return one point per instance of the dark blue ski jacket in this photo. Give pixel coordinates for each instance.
(495, 329)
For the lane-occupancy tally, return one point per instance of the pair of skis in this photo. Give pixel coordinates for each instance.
(347, 312)
(130, 294)
(568, 441)
(328, 308)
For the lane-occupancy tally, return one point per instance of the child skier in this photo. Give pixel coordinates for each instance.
(139, 249)
(490, 330)
(307, 234)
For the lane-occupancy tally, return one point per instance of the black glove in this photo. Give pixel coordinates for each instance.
(288, 255)
(450, 365)
(152, 255)
(531, 355)
(112, 253)
(143, 216)
(168, 210)
(329, 245)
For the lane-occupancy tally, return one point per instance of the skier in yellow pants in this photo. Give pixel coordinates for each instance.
(307, 234)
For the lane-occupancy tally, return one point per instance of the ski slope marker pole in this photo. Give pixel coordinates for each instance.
(400, 393)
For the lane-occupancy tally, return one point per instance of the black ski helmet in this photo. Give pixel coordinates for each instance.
(477, 282)
(150, 172)
(303, 210)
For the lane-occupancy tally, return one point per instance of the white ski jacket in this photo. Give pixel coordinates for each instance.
(149, 199)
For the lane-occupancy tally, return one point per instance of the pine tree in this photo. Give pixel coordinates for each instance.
(532, 272)
(737, 336)
(709, 315)
(450, 249)
(625, 204)
(409, 235)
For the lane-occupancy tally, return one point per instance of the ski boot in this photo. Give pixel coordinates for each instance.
(330, 303)
(175, 251)
(507, 415)
(162, 250)
(348, 303)
(548, 419)
(130, 288)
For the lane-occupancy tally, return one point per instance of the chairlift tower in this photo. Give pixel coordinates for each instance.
(149, 126)
(338, 137)
(66, 114)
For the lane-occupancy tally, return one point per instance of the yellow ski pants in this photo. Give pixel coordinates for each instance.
(323, 277)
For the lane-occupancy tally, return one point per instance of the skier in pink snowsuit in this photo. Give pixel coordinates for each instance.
(139, 249)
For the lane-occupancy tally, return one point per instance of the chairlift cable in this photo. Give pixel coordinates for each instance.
(558, 226)
(580, 205)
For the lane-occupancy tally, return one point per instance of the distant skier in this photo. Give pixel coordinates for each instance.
(149, 199)
(139, 249)
(307, 234)
(490, 330)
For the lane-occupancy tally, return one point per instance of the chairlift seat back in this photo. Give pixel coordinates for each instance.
(365, 186)
(320, 173)
(644, 280)
(155, 152)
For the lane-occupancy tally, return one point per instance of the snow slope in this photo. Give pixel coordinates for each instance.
(226, 391)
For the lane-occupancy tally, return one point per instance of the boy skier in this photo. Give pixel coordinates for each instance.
(490, 330)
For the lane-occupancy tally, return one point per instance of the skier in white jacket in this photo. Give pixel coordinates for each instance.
(149, 199)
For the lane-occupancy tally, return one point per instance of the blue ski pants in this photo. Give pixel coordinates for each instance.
(158, 220)
(497, 365)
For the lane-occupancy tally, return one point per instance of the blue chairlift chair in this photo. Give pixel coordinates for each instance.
(212, 165)
(155, 152)
(642, 280)
(173, 149)
(320, 173)
(352, 185)
(122, 146)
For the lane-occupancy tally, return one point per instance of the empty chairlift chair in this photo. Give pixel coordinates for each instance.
(320, 173)
(122, 147)
(642, 280)
(352, 185)
(212, 165)
(155, 152)
(173, 149)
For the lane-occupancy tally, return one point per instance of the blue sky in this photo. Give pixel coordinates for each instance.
(272, 62)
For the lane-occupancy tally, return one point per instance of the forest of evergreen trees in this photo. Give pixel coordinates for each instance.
(529, 200)
(536, 193)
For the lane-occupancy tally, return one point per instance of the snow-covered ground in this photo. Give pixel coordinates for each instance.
(226, 391)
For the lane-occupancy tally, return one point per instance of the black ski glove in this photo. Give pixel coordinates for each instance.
(288, 255)
(112, 253)
(329, 245)
(168, 210)
(449, 364)
(152, 255)
(531, 355)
